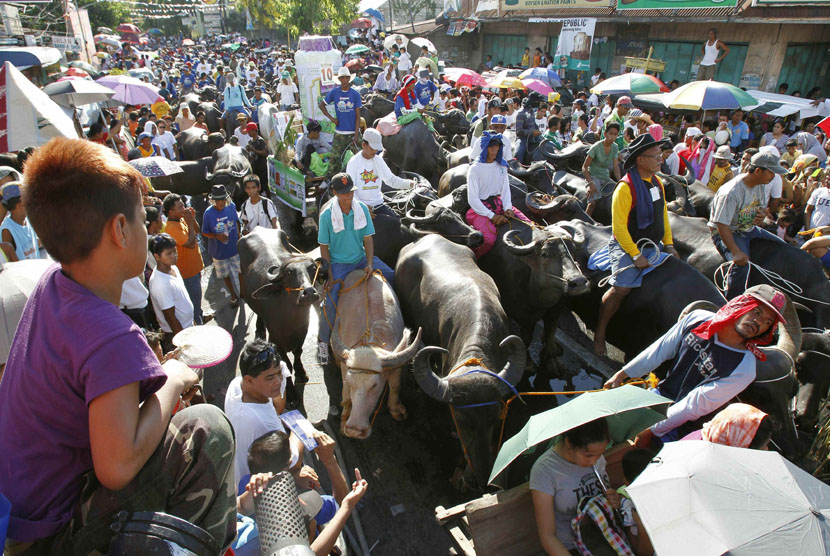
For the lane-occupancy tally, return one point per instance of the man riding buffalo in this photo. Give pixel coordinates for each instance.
(346, 244)
(638, 216)
(714, 358)
(738, 207)
(488, 192)
(369, 172)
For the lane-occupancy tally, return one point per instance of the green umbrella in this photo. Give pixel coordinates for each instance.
(628, 410)
(356, 49)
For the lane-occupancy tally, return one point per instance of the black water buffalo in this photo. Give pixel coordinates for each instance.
(813, 374)
(694, 244)
(538, 176)
(192, 180)
(647, 312)
(569, 159)
(197, 143)
(376, 106)
(414, 149)
(457, 305)
(459, 157)
(279, 289)
(701, 198)
(230, 165)
(450, 124)
(534, 270)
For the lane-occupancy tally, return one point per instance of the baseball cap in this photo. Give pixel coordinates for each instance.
(769, 149)
(770, 297)
(8, 170)
(11, 191)
(494, 103)
(251, 126)
(498, 119)
(768, 161)
(373, 137)
(342, 183)
(624, 101)
(241, 116)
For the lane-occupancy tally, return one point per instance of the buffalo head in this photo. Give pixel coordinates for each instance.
(213, 140)
(475, 397)
(556, 209)
(294, 277)
(365, 370)
(550, 258)
(445, 222)
(453, 122)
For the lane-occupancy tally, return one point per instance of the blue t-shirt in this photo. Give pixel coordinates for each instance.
(187, 81)
(400, 104)
(740, 133)
(218, 222)
(425, 92)
(345, 103)
(345, 246)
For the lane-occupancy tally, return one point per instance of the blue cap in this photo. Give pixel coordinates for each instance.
(11, 191)
(143, 135)
(498, 119)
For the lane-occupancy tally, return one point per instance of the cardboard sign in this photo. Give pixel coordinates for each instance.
(287, 184)
(327, 75)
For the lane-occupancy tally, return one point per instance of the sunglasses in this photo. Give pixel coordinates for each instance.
(264, 359)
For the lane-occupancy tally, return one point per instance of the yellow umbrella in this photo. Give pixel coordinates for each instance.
(506, 83)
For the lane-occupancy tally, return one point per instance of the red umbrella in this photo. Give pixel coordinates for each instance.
(824, 125)
(362, 23)
(128, 28)
(131, 38)
(76, 72)
(354, 64)
(464, 76)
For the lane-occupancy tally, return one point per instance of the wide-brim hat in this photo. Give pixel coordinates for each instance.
(219, 193)
(724, 153)
(638, 146)
(203, 346)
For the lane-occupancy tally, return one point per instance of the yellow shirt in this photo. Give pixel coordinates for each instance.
(719, 176)
(790, 158)
(621, 208)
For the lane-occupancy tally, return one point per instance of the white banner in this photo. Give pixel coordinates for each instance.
(67, 44)
(573, 50)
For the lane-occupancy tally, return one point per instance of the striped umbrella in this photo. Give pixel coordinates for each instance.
(709, 95)
(630, 84)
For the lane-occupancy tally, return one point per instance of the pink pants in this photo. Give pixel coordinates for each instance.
(488, 229)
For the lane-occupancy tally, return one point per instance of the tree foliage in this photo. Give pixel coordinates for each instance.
(300, 16)
(107, 14)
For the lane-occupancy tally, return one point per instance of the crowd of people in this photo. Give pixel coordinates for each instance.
(131, 260)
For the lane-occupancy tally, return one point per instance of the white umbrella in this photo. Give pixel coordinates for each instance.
(790, 105)
(77, 92)
(421, 41)
(28, 117)
(17, 280)
(697, 498)
(390, 40)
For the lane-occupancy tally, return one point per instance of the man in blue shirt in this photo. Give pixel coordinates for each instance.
(187, 81)
(235, 101)
(739, 130)
(220, 225)
(345, 240)
(346, 120)
(425, 88)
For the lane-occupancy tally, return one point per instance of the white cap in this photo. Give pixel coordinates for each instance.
(343, 72)
(373, 137)
(693, 132)
(769, 149)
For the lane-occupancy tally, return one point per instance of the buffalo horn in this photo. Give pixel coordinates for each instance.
(789, 338)
(337, 345)
(516, 360)
(698, 305)
(520, 250)
(432, 385)
(421, 219)
(400, 358)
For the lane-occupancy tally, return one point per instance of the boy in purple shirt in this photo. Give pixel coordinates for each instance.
(86, 410)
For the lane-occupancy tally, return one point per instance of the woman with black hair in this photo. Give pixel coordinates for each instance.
(569, 471)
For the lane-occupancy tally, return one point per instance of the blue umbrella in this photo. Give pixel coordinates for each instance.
(155, 31)
(549, 77)
(374, 13)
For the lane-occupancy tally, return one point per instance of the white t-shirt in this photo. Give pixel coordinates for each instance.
(251, 76)
(167, 290)
(820, 199)
(595, 79)
(511, 120)
(404, 62)
(165, 142)
(774, 189)
(133, 294)
(250, 421)
(542, 124)
(287, 92)
(369, 175)
(482, 106)
(475, 150)
(243, 137)
(255, 215)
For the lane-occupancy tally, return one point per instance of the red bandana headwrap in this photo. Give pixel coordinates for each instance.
(407, 81)
(728, 315)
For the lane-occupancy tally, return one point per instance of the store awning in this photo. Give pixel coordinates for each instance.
(23, 57)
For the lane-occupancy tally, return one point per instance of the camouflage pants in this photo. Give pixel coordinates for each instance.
(339, 145)
(190, 475)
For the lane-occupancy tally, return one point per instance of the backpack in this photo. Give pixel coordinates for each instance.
(596, 529)
(264, 201)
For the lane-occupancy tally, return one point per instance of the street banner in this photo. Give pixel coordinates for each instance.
(573, 50)
(528, 5)
(287, 184)
(674, 4)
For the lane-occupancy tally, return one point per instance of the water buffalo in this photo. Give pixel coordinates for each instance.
(694, 244)
(536, 177)
(375, 107)
(197, 143)
(459, 157)
(192, 180)
(701, 198)
(534, 270)
(279, 288)
(450, 124)
(403, 200)
(648, 311)
(369, 357)
(415, 149)
(813, 377)
(569, 159)
(230, 165)
(443, 291)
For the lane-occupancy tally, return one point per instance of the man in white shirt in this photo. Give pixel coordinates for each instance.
(488, 193)
(251, 74)
(171, 302)
(257, 210)
(286, 91)
(404, 64)
(133, 301)
(817, 212)
(203, 67)
(482, 105)
(166, 141)
(240, 133)
(387, 82)
(369, 172)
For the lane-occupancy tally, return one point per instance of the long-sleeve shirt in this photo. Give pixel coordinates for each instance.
(368, 175)
(620, 210)
(485, 180)
(234, 97)
(400, 107)
(525, 124)
(706, 397)
(475, 150)
(320, 146)
(386, 85)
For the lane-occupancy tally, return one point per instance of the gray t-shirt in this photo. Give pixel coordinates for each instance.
(736, 205)
(568, 483)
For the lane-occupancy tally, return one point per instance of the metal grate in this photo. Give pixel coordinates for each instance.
(278, 516)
